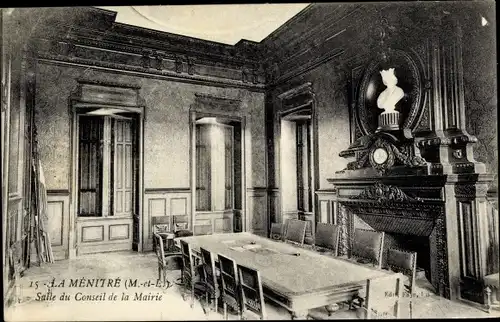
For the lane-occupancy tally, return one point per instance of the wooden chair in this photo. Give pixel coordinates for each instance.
(277, 231)
(210, 277)
(230, 285)
(252, 295)
(383, 296)
(189, 276)
(169, 261)
(404, 262)
(327, 236)
(160, 224)
(295, 231)
(367, 246)
(180, 222)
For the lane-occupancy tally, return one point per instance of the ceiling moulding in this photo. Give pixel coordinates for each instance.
(87, 23)
(118, 56)
(151, 73)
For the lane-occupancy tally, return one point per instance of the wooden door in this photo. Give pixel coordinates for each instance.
(107, 188)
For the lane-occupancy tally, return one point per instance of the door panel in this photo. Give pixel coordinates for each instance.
(104, 234)
(123, 168)
(58, 223)
(107, 184)
(90, 166)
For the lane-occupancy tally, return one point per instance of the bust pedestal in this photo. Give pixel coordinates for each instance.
(388, 121)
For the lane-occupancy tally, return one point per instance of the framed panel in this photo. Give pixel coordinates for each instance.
(55, 212)
(119, 231)
(92, 234)
(178, 206)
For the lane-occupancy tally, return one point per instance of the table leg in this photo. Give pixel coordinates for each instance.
(488, 299)
(299, 315)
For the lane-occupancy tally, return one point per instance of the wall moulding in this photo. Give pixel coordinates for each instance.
(217, 102)
(170, 59)
(141, 72)
(166, 190)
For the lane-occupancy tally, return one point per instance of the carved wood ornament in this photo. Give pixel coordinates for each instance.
(384, 193)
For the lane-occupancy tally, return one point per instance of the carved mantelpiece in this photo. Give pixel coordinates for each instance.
(385, 194)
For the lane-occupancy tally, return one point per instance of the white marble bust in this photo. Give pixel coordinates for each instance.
(388, 99)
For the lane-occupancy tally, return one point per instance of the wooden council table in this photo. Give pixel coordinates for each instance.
(298, 283)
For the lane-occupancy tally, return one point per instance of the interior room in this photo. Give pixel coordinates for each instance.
(264, 161)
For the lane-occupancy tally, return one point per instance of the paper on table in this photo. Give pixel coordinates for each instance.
(263, 251)
(251, 246)
(237, 248)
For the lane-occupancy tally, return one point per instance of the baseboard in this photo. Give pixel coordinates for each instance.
(476, 305)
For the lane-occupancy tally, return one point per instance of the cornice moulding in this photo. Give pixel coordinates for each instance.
(138, 71)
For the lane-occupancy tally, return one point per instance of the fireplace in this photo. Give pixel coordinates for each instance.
(412, 239)
(410, 222)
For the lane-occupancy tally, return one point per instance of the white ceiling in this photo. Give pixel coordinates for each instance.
(221, 23)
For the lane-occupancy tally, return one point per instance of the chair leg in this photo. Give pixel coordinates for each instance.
(216, 304)
(180, 280)
(224, 305)
(192, 294)
(159, 272)
(184, 288)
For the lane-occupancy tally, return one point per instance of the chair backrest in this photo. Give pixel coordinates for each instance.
(327, 235)
(180, 222)
(160, 251)
(187, 259)
(404, 262)
(252, 296)
(296, 231)
(229, 280)
(383, 296)
(277, 231)
(161, 224)
(368, 245)
(209, 273)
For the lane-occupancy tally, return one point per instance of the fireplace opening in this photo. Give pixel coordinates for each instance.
(412, 243)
